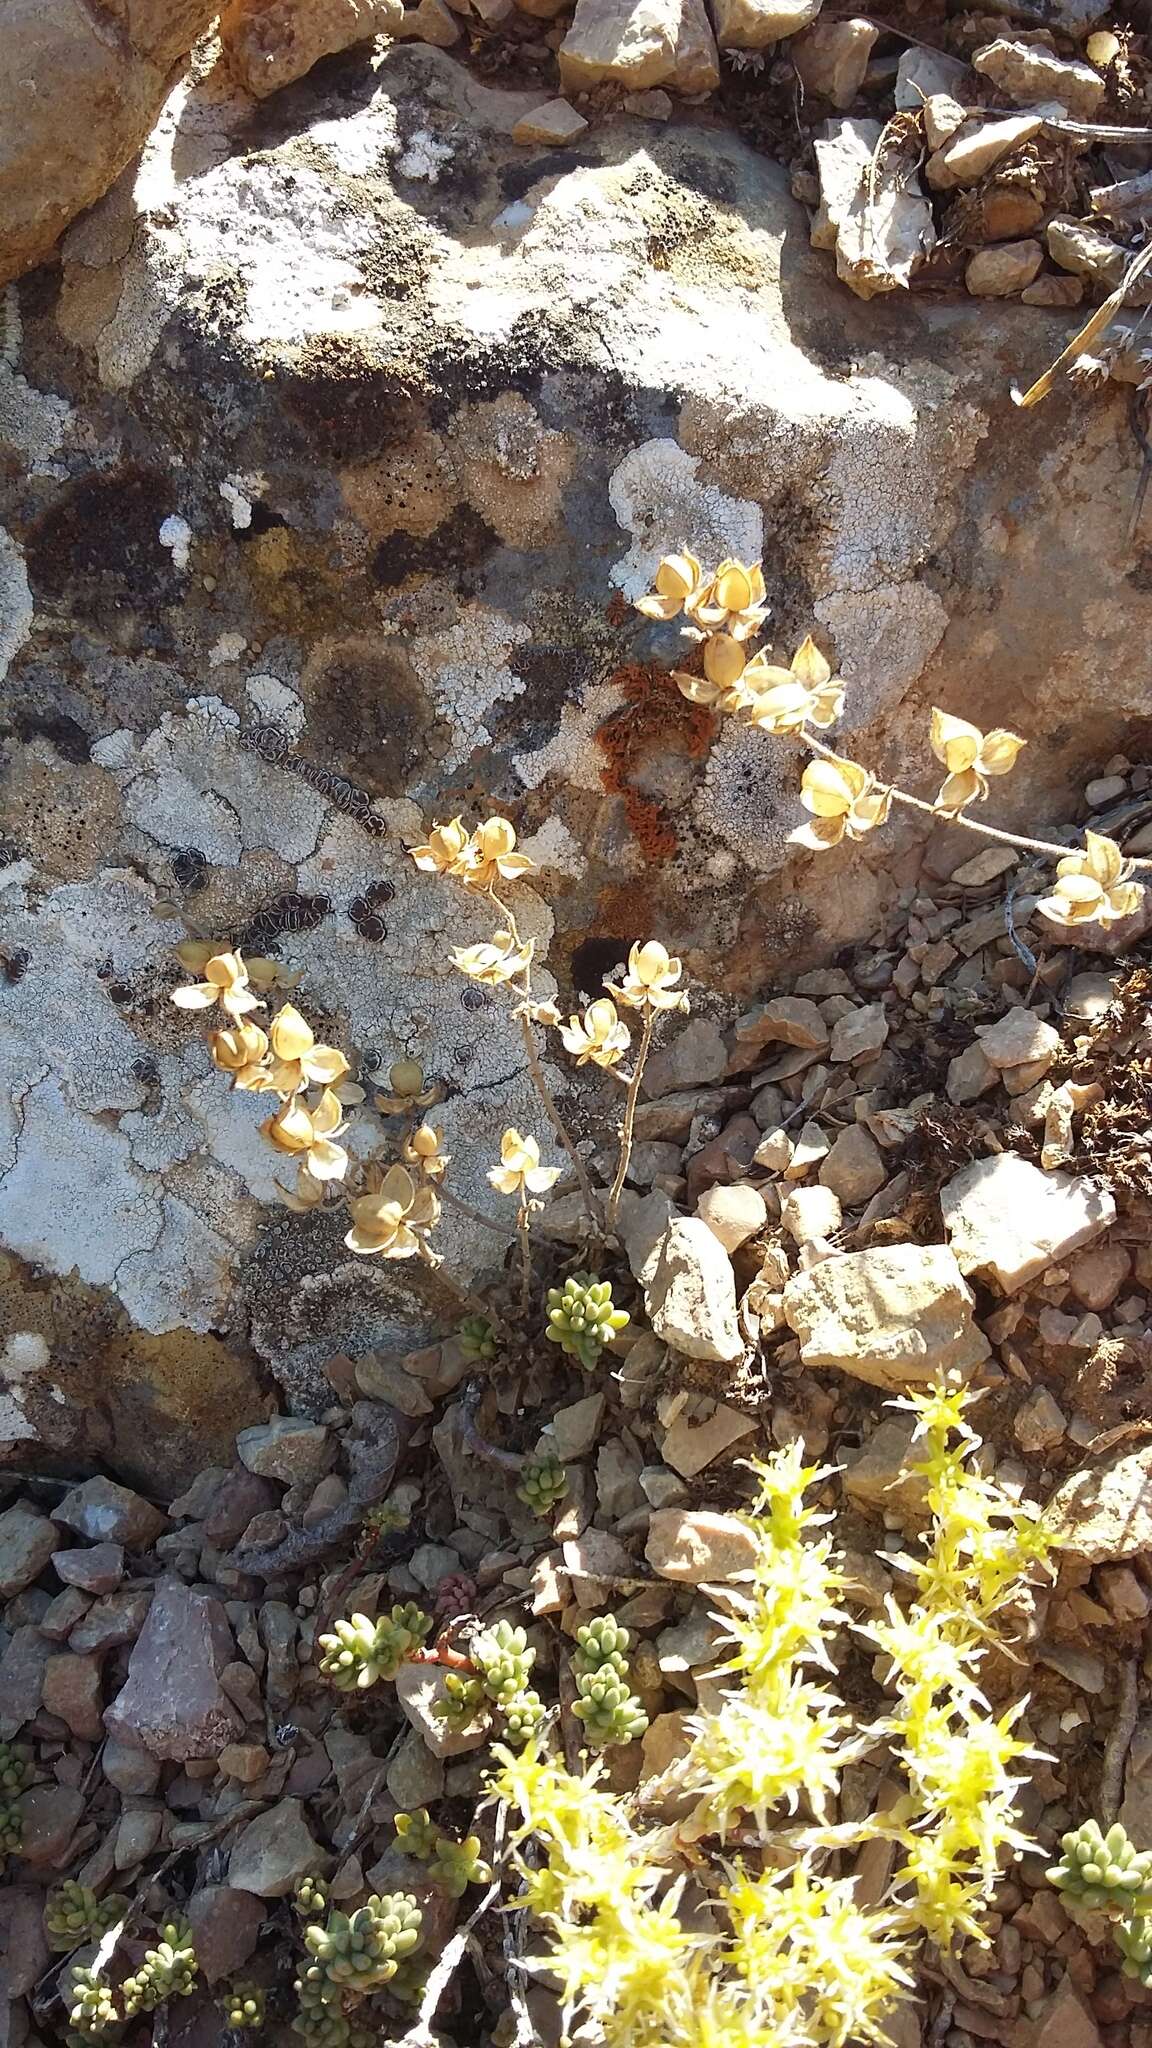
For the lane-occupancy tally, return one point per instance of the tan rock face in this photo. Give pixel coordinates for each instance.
(896, 1315)
(268, 43)
(640, 43)
(79, 91)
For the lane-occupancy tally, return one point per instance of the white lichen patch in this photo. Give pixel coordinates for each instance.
(424, 157)
(361, 140)
(884, 639)
(176, 535)
(190, 783)
(554, 846)
(658, 498)
(470, 673)
(72, 1201)
(32, 423)
(25, 1357)
(747, 798)
(276, 704)
(570, 755)
(227, 650)
(183, 1280)
(15, 601)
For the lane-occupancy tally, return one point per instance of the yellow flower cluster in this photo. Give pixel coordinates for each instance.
(479, 859)
(1093, 887)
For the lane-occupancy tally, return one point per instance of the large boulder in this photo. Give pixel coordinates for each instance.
(330, 466)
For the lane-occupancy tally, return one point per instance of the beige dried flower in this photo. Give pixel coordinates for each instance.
(409, 1090)
(648, 984)
(732, 602)
(310, 1134)
(497, 961)
(599, 1035)
(241, 1053)
(1092, 887)
(423, 1150)
(784, 700)
(970, 757)
(225, 982)
(520, 1171)
(391, 1222)
(299, 1060)
(538, 1013)
(494, 857)
(724, 685)
(843, 798)
(446, 851)
(677, 579)
(308, 1193)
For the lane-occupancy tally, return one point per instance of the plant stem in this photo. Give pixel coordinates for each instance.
(919, 803)
(470, 1303)
(629, 1124)
(525, 1257)
(464, 1208)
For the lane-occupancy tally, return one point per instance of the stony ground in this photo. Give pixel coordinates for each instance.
(933, 1155)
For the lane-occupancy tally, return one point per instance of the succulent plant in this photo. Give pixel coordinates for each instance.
(462, 1700)
(543, 1481)
(600, 1643)
(73, 1914)
(415, 1834)
(168, 1971)
(15, 1771)
(456, 1865)
(360, 1951)
(91, 2011)
(244, 2006)
(319, 2017)
(522, 1717)
(477, 1340)
(310, 1897)
(1133, 1938)
(503, 1659)
(387, 1518)
(610, 1712)
(11, 1828)
(1104, 1872)
(360, 1651)
(581, 1317)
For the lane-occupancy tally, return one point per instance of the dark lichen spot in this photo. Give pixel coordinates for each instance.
(98, 547)
(591, 960)
(367, 706)
(458, 548)
(68, 737)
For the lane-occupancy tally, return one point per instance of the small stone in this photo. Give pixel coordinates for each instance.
(1082, 1668)
(754, 24)
(1104, 790)
(269, 45)
(1003, 269)
(698, 1054)
(130, 1769)
(1086, 251)
(274, 1852)
(431, 1563)
(1049, 290)
(555, 122)
(103, 1512)
(697, 1548)
(98, 1570)
(811, 1213)
(287, 1449)
(810, 1148)
(278, 1628)
(414, 1776)
(691, 1296)
(548, 1584)
(690, 1447)
(924, 74)
(114, 1619)
(50, 1816)
(970, 1075)
(27, 1541)
(943, 117)
(1097, 1276)
(984, 867)
(881, 1478)
(172, 1703)
(733, 1214)
(23, 1944)
(225, 1926)
(1029, 74)
(662, 1488)
(1065, 2021)
(430, 22)
(388, 1379)
(618, 1489)
(573, 1430)
(72, 1692)
(664, 1742)
(640, 43)
(418, 1688)
(244, 1761)
(859, 1035)
(972, 153)
(774, 1152)
(1020, 1038)
(137, 1836)
(61, 1617)
(832, 57)
(854, 1168)
(1122, 1593)
(895, 1315)
(1104, 1512)
(648, 106)
(1039, 1422)
(1007, 1220)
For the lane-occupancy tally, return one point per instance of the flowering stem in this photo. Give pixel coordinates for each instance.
(918, 803)
(629, 1124)
(525, 1256)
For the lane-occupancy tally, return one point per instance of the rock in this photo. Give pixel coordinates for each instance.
(859, 1035)
(786, 1020)
(23, 1942)
(244, 1761)
(278, 1629)
(225, 1926)
(809, 1149)
(288, 1449)
(832, 57)
(1029, 74)
(103, 1512)
(664, 1742)
(23, 1662)
(1003, 270)
(691, 1296)
(137, 1836)
(418, 1687)
(431, 1563)
(895, 1315)
(1086, 251)
(662, 1488)
(49, 1816)
(128, 1768)
(983, 143)
(387, 1379)
(639, 43)
(573, 1430)
(811, 1213)
(116, 1618)
(1125, 1598)
(1104, 1511)
(98, 1570)
(696, 1055)
(172, 1703)
(431, 22)
(774, 1152)
(1064, 2021)
(854, 1168)
(240, 1499)
(880, 234)
(61, 1616)
(1054, 291)
(554, 122)
(618, 1488)
(269, 43)
(59, 59)
(754, 24)
(690, 1447)
(1007, 1220)
(696, 1548)
(274, 1852)
(1089, 995)
(926, 74)
(943, 118)
(881, 1479)
(414, 1777)
(1097, 1276)
(27, 1541)
(1018, 1039)
(72, 1692)
(649, 106)
(733, 1214)
(970, 1075)
(1039, 1422)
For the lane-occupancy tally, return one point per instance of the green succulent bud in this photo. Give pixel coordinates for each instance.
(502, 1656)
(415, 1834)
(543, 1481)
(11, 1828)
(168, 1971)
(477, 1340)
(360, 1651)
(408, 1983)
(1104, 1872)
(15, 1771)
(310, 1897)
(581, 1317)
(360, 1951)
(91, 2010)
(462, 1700)
(456, 1865)
(385, 1519)
(1133, 1938)
(73, 1914)
(602, 1644)
(319, 2016)
(522, 1717)
(610, 1713)
(244, 2007)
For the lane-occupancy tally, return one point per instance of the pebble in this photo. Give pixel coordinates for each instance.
(287, 1449)
(418, 1688)
(1029, 74)
(1007, 1220)
(859, 1035)
(63, 1614)
(1082, 1668)
(1086, 250)
(618, 1488)
(1104, 1512)
(573, 1431)
(49, 1816)
(72, 1692)
(1049, 290)
(894, 1315)
(98, 1570)
(662, 1487)
(556, 122)
(275, 1851)
(733, 1214)
(811, 1213)
(754, 24)
(22, 1666)
(225, 1926)
(1097, 1276)
(1122, 1592)
(854, 1168)
(831, 58)
(172, 1703)
(971, 153)
(809, 1149)
(27, 1541)
(414, 1776)
(103, 1512)
(1039, 1422)
(695, 1548)
(690, 1447)
(696, 1055)
(1003, 270)
(114, 1619)
(128, 1768)
(244, 1761)
(970, 1075)
(137, 1836)
(1019, 1038)
(691, 1296)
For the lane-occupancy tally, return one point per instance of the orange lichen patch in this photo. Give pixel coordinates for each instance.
(653, 716)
